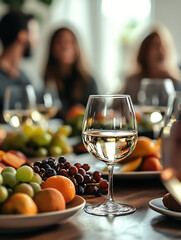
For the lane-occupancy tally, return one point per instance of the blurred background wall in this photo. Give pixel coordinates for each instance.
(104, 29)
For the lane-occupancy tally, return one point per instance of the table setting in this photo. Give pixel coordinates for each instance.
(141, 179)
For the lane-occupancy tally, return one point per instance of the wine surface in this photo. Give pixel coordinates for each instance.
(110, 146)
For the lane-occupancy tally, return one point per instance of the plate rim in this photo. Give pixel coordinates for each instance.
(44, 214)
(163, 210)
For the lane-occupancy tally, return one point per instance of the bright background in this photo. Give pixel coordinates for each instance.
(104, 28)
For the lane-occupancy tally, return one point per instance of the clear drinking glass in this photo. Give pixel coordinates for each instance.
(109, 134)
(171, 147)
(153, 100)
(49, 103)
(19, 104)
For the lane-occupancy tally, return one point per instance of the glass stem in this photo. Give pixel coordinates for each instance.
(110, 196)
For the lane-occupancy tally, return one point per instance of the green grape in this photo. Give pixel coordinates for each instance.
(9, 169)
(1, 179)
(28, 130)
(59, 140)
(65, 130)
(3, 194)
(9, 179)
(36, 178)
(39, 131)
(43, 139)
(55, 150)
(24, 173)
(24, 188)
(36, 187)
(41, 152)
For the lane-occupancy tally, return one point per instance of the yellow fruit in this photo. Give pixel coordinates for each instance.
(49, 199)
(131, 165)
(19, 203)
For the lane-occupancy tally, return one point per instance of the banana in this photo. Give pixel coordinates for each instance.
(131, 165)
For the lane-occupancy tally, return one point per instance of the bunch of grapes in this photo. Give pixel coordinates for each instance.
(85, 181)
(22, 180)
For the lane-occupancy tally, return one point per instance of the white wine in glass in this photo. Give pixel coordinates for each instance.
(109, 134)
(19, 105)
(153, 98)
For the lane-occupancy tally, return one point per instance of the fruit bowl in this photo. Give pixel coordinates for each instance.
(23, 222)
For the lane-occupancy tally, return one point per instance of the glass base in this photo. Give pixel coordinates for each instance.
(109, 208)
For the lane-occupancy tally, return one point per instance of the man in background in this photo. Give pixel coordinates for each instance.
(15, 38)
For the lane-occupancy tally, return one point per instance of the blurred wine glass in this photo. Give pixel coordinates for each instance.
(49, 103)
(171, 147)
(153, 98)
(19, 105)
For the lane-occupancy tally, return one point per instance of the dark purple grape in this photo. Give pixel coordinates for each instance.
(103, 186)
(36, 169)
(51, 162)
(67, 165)
(63, 172)
(97, 175)
(78, 165)
(38, 163)
(46, 166)
(73, 180)
(90, 173)
(82, 171)
(79, 178)
(60, 165)
(50, 172)
(87, 178)
(55, 167)
(51, 158)
(86, 167)
(73, 170)
(44, 162)
(42, 172)
(90, 189)
(79, 190)
(62, 159)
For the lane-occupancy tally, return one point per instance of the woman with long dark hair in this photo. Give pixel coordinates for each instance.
(66, 69)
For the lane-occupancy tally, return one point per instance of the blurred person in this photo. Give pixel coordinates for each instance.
(155, 59)
(66, 70)
(16, 43)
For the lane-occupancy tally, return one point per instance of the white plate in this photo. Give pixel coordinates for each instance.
(157, 205)
(40, 220)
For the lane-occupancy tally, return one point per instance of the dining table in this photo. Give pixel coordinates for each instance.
(144, 223)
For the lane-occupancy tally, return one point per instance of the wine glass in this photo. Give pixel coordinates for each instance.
(19, 104)
(153, 98)
(109, 134)
(171, 147)
(49, 103)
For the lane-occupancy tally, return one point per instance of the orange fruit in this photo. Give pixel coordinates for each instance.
(144, 147)
(49, 199)
(75, 111)
(62, 184)
(19, 203)
(151, 163)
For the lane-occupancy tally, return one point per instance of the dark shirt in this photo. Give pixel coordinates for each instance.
(68, 100)
(6, 81)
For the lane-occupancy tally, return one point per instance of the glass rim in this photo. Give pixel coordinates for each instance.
(110, 95)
